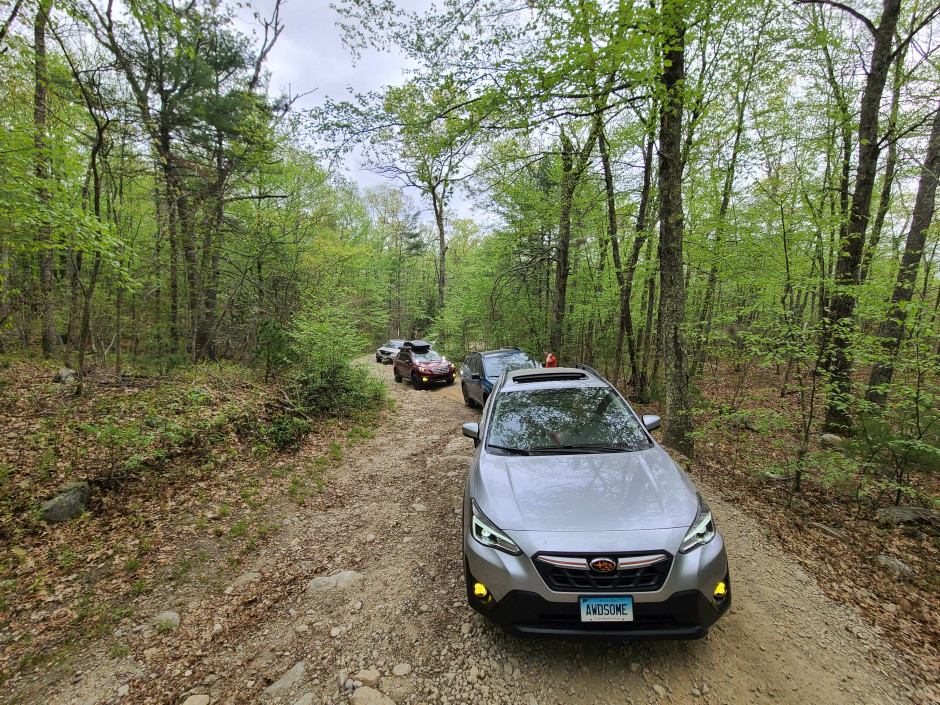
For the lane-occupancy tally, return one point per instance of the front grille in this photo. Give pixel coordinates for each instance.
(644, 579)
(442, 369)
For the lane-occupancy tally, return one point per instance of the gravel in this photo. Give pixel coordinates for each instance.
(400, 631)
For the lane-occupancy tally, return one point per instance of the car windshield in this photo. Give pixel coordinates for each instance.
(573, 419)
(429, 356)
(394, 343)
(494, 366)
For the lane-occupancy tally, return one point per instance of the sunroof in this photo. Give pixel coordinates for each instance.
(548, 377)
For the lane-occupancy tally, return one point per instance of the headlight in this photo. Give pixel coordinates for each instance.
(702, 530)
(489, 535)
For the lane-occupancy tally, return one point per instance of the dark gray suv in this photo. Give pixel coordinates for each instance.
(576, 523)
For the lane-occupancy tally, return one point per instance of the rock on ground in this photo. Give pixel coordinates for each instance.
(892, 563)
(909, 515)
(288, 680)
(64, 376)
(368, 677)
(197, 700)
(68, 504)
(831, 440)
(340, 580)
(167, 620)
(369, 696)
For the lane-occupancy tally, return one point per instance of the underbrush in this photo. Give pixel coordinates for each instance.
(827, 503)
(190, 472)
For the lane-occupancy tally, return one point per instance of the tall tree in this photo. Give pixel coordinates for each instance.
(852, 242)
(892, 329)
(43, 177)
(678, 428)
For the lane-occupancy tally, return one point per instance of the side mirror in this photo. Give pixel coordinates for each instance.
(652, 421)
(471, 430)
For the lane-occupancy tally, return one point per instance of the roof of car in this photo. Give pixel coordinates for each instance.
(501, 351)
(566, 376)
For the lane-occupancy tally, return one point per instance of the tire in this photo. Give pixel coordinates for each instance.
(378, 358)
(414, 380)
(450, 381)
(397, 376)
(467, 400)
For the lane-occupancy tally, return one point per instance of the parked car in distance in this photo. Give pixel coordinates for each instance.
(480, 370)
(417, 362)
(387, 352)
(577, 523)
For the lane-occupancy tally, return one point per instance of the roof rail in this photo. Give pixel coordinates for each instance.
(586, 368)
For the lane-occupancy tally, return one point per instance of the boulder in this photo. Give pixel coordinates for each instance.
(892, 563)
(64, 376)
(831, 440)
(340, 580)
(66, 505)
(909, 515)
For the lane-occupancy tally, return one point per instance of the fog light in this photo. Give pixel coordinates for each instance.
(424, 379)
(721, 590)
(479, 589)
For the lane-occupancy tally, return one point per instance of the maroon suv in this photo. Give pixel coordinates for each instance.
(417, 362)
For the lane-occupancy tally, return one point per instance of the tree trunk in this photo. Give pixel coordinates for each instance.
(571, 175)
(42, 167)
(625, 329)
(892, 330)
(890, 166)
(678, 422)
(842, 306)
(562, 245)
(438, 203)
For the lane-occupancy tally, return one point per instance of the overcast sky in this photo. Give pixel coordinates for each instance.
(309, 58)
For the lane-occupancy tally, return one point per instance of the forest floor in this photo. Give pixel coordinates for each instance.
(233, 552)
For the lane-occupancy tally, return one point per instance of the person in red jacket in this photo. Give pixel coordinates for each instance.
(550, 360)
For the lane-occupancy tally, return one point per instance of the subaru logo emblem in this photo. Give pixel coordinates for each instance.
(603, 565)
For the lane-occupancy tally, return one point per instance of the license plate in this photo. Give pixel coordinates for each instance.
(606, 609)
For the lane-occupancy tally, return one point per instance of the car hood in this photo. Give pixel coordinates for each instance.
(584, 492)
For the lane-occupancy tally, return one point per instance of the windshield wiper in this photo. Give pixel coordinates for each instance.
(509, 451)
(583, 448)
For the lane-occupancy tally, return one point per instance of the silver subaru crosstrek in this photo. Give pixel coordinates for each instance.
(577, 523)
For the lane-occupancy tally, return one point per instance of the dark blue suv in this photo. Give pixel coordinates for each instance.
(480, 371)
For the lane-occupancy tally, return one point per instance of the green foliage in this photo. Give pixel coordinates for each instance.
(350, 390)
(273, 349)
(325, 338)
(286, 432)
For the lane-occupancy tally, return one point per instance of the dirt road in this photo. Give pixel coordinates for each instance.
(403, 629)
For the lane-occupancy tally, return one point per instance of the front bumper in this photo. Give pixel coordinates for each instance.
(684, 615)
(521, 603)
(431, 377)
